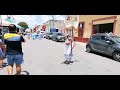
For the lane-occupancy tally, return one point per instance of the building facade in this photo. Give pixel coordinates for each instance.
(91, 24)
(71, 22)
(58, 24)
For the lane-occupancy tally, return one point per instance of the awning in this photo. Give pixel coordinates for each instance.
(12, 22)
(5, 23)
(19, 26)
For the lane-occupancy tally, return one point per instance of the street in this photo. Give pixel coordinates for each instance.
(44, 57)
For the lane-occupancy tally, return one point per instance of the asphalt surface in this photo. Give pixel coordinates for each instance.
(44, 57)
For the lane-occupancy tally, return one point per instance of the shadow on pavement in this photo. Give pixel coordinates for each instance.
(26, 72)
(103, 55)
(5, 64)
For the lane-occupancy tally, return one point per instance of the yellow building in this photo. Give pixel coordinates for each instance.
(91, 24)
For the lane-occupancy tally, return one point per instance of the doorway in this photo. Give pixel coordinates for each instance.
(102, 28)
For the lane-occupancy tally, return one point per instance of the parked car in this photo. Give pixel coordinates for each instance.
(105, 44)
(44, 35)
(49, 35)
(57, 36)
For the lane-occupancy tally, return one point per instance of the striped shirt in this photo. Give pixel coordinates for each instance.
(13, 43)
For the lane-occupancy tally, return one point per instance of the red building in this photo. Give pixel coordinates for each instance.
(44, 27)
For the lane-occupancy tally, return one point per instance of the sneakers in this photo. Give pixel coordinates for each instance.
(71, 61)
(68, 62)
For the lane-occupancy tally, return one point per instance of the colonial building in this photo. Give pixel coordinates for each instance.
(91, 24)
(71, 23)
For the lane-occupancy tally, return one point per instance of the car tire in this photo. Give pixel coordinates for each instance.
(88, 49)
(116, 56)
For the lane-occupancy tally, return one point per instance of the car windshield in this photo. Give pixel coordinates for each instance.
(116, 38)
(50, 33)
(60, 34)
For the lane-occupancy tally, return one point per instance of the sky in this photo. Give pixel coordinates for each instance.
(33, 20)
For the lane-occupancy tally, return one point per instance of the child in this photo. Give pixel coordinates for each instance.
(68, 50)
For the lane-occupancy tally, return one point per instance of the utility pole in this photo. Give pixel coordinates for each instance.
(53, 20)
(50, 24)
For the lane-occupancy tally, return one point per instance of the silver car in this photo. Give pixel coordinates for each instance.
(57, 36)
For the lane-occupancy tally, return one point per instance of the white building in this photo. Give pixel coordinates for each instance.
(58, 24)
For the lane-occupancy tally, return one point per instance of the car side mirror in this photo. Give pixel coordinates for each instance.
(109, 42)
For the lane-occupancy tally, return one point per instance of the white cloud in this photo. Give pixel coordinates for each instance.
(33, 20)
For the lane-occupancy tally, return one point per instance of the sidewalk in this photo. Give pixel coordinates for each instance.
(81, 43)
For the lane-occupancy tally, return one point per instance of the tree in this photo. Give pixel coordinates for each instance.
(23, 24)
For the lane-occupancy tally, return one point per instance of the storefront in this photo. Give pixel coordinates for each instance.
(91, 24)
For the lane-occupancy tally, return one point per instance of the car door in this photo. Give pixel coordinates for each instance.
(53, 36)
(95, 42)
(104, 45)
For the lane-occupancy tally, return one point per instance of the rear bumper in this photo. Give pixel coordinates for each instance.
(61, 39)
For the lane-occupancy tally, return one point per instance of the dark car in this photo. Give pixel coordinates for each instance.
(49, 35)
(105, 44)
(58, 37)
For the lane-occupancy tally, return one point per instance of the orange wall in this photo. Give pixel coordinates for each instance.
(88, 23)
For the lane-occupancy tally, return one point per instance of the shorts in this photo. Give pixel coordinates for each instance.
(17, 59)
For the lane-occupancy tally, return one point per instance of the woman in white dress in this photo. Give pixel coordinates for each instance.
(69, 45)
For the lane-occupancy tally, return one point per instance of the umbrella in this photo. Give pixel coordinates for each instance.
(19, 26)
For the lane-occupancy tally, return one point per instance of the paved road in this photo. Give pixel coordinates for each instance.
(44, 57)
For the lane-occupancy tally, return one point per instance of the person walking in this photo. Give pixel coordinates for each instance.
(2, 51)
(29, 35)
(69, 45)
(13, 43)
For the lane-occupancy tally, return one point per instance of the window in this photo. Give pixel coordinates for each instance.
(116, 38)
(50, 33)
(95, 37)
(104, 38)
(59, 34)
